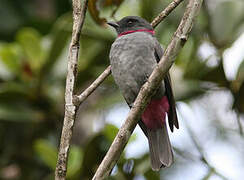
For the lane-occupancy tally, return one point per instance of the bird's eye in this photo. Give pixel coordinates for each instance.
(129, 22)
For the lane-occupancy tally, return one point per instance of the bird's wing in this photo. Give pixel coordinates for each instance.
(172, 116)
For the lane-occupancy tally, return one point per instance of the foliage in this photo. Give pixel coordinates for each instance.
(33, 55)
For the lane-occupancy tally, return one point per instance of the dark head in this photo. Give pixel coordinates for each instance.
(130, 23)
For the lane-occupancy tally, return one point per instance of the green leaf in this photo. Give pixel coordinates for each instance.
(46, 152)
(110, 131)
(152, 175)
(30, 40)
(10, 57)
(75, 161)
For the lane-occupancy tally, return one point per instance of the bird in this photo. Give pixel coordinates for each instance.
(133, 56)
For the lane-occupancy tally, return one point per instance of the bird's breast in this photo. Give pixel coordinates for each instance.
(136, 49)
(132, 60)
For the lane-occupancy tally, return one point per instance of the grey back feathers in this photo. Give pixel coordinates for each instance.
(132, 60)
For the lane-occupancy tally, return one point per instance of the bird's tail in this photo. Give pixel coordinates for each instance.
(160, 148)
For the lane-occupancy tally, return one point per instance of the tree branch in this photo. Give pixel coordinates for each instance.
(165, 12)
(147, 90)
(82, 97)
(79, 12)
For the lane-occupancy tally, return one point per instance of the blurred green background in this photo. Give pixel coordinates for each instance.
(208, 81)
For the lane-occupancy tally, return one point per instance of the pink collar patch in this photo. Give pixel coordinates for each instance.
(139, 30)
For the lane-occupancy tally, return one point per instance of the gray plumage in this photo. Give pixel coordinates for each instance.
(133, 57)
(132, 60)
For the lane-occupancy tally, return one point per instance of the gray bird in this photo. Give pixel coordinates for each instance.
(133, 56)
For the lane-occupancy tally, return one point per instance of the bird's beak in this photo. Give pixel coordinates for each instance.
(113, 24)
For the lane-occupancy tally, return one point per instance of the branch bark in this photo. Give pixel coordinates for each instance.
(79, 12)
(177, 42)
(82, 97)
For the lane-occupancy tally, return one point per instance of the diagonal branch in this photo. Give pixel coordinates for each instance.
(82, 97)
(79, 12)
(121, 139)
(165, 12)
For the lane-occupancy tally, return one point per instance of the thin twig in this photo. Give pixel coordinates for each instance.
(79, 12)
(82, 97)
(121, 139)
(165, 12)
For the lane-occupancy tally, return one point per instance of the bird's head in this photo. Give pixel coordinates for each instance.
(131, 24)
